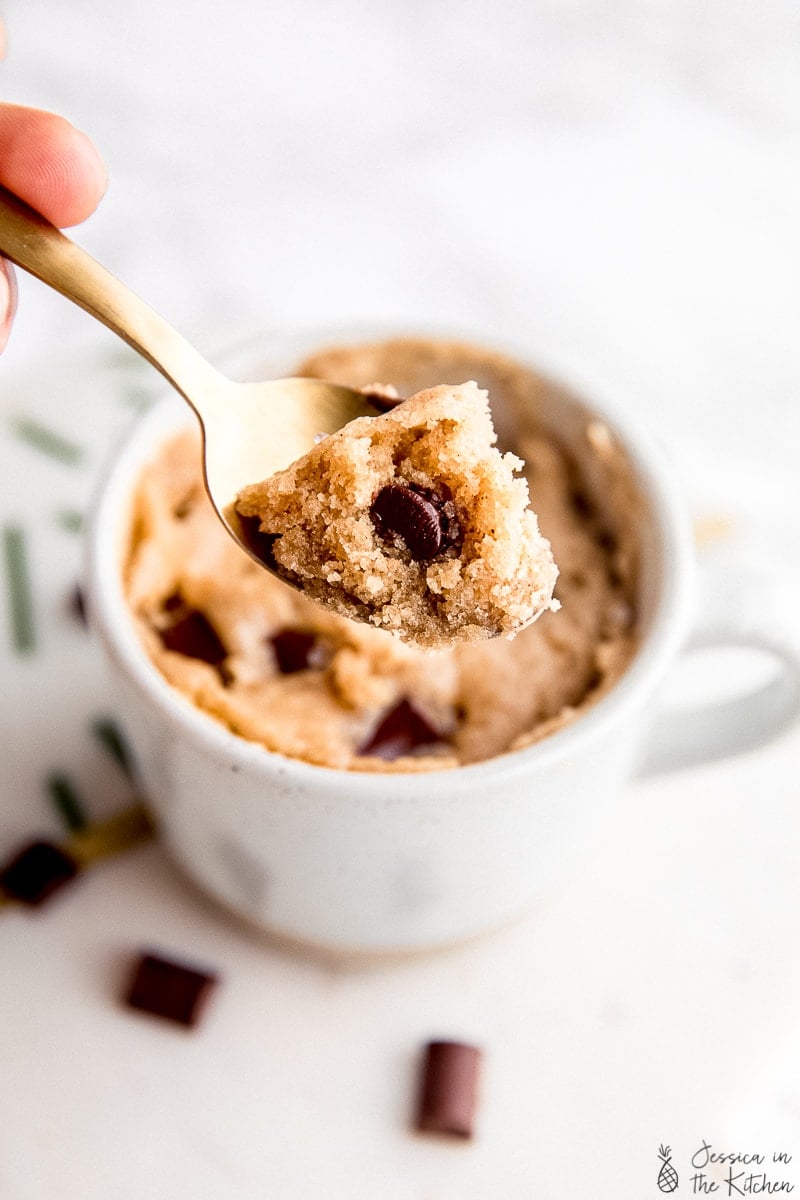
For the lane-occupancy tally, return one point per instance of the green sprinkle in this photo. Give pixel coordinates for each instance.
(23, 635)
(46, 440)
(109, 735)
(70, 519)
(65, 800)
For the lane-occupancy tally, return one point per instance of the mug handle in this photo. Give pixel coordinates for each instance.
(737, 607)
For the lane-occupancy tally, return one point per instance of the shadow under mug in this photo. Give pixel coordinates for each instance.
(360, 862)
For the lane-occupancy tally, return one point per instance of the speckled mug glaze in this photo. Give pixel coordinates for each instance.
(365, 862)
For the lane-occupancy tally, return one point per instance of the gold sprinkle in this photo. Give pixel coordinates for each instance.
(125, 830)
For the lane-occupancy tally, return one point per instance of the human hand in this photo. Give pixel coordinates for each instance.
(54, 167)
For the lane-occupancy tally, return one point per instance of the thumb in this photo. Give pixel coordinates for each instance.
(8, 300)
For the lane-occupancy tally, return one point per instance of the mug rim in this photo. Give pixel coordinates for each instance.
(660, 643)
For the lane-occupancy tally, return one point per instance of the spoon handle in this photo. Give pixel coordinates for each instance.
(31, 242)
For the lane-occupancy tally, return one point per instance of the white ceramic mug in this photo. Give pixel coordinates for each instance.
(353, 861)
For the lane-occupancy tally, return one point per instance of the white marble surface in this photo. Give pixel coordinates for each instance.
(616, 182)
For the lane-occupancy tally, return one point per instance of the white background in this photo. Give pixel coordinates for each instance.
(617, 183)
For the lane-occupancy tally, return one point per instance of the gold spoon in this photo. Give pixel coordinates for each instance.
(249, 430)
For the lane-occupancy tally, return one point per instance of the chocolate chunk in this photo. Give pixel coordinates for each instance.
(400, 732)
(260, 544)
(424, 521)
(192, 634)
(448, 1091)
(169, 989)
(293, 650)
(36, 872)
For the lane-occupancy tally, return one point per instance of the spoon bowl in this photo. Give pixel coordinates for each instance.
(249, 430)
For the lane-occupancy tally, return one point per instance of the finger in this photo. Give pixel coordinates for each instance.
(50, 164)
(8, 300)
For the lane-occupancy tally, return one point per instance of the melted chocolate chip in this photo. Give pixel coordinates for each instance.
(192, 634)
(401, 731)
(293, 650)
(423, 520)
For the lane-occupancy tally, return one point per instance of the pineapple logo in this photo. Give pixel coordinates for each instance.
(667, 1176)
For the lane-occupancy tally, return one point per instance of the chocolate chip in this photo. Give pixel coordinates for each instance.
(169, 989)
(36, 872)
(293, 650)
(401, 731)
(192, 634)
(594, 681)
(448, 1090)
(382, 402)
(260, 544)
(581, 503)
(423, 520)
(607, 541)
